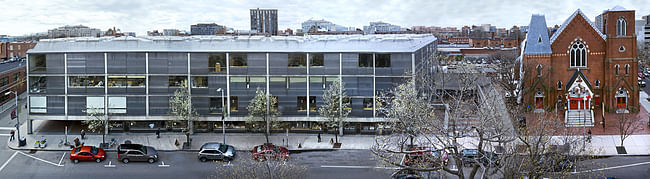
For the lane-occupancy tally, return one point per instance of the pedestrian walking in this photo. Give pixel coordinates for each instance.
(158, 133)
(83, 134)
(589, 137)
(319, 137)
(12, 135)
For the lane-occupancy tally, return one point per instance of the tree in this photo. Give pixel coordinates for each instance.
(270, 169)
(98, 122)
(626, 126)
(260, 114)
(333, 108)
(181, 109)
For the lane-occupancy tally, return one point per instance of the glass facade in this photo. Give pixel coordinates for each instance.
(139, 84)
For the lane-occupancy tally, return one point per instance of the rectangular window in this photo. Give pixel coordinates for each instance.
(237, 79)
(238, 60)
(302, 103)
(176, 81)
(95, 104)
(38, 84)
(16, 76)
(37, 104)
(367, 103)
(125, 81)
(117, 105)
(316, 59)
(217, 62)
(382, 60)
(312, 103)
(216, 105)
(347, 102)
(365, 60)
(297, 60)
(234, 103)
(4, 81)
(199, 82)
(86, 81)
(135, 81)
(37, 63)
(621, 102)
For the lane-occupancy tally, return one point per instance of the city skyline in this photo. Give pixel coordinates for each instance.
(38, 16)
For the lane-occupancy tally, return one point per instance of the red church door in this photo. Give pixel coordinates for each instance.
(621, 102)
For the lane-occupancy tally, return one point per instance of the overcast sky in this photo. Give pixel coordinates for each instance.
(21, 17)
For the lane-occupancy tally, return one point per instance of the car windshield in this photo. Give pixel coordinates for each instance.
(259, 148)
(277, 149)
(76, 150)
(93, 150)
(223, 148)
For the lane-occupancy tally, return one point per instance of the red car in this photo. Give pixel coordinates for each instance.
(428, 156)
(87, 153)
(270, 151)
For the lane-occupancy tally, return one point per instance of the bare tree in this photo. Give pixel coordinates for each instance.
(247, 168)
(98, 122)
(181, 109)
(334, 109)
(260, 114)
(626, 126)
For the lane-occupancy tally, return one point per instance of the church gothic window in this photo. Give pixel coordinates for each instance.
(578, 54)
(621, 26)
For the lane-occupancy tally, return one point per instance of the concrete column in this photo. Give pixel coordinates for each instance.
(29, 126)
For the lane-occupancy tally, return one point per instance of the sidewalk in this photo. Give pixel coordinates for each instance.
(166, 142)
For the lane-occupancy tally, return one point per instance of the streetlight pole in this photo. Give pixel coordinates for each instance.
(17, 120)
(223, 118)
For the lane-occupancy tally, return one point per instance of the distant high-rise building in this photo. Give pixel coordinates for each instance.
(380, 27)
(73, 31)
(206, 29)
(264, 21)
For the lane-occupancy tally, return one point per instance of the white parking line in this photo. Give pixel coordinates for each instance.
(614, 167)
(62, 156)
(110, 165)
(7, 162)
(163, 164)
(358, 167)
(7, 128)
(5, 135)
(42, 160)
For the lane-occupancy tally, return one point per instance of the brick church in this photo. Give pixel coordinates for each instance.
(583, 69)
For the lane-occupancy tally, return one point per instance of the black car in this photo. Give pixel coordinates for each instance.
(469, 156)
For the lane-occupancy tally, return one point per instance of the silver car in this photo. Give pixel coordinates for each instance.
(216, 151)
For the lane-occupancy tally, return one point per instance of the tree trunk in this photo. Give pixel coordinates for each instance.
(268, 130)
(336, 135)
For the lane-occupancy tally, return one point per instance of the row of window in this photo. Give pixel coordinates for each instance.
(173, 81)
(117, 105)
(217, 61)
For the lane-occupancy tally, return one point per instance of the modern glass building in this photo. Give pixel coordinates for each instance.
(133, 78)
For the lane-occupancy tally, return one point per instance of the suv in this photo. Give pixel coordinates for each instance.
(136, 152)
(216, 151)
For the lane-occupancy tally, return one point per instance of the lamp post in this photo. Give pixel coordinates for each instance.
(17, 120)
(223, 118)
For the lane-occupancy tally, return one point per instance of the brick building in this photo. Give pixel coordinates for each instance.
(580, 71)
(10, 74)
(15, 49)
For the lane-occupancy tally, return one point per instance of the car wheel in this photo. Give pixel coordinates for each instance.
(126, 160)
(151, 160)
(203, 159)
(76, 160)
(98, 160)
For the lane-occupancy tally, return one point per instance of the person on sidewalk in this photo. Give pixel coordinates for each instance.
(589, 137)
(319, 137)
(158, 133)
(12, 135)
(83, 134)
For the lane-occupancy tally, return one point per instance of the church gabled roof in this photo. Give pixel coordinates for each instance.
(566, 23)
(573, 79)
(537, 41)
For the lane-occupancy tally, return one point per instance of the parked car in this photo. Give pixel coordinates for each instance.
(270, 151)
(136, 152)
(406, 174)
(430, 156)
(87, 153)
(469, 156)
(557, 162)
(641, 82)
(216, 151)
(641, 75)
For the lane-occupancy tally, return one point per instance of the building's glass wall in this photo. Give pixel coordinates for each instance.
(52, 63)
(126, 63)
(167, 63)
(85, 63)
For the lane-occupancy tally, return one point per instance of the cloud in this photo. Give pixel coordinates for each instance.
(22, 17)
